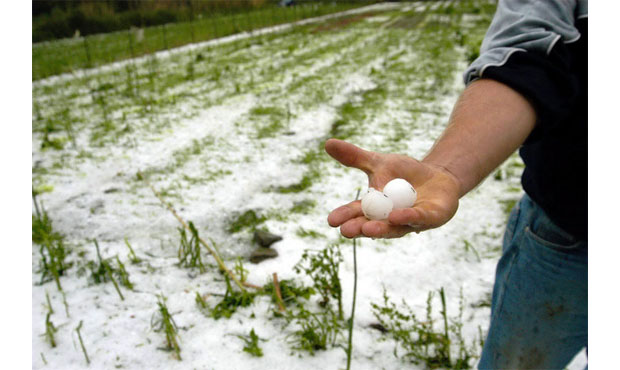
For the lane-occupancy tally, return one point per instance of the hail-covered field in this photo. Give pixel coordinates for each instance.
(231, 133)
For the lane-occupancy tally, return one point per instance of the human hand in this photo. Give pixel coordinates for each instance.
(437, 189)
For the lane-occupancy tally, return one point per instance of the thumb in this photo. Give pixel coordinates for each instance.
(351, 155)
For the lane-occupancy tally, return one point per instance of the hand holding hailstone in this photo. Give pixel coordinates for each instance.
(397, 193)
(436, 194)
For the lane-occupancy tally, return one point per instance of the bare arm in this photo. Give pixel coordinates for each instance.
(488, 123)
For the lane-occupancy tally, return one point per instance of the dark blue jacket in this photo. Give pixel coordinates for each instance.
(540, 48)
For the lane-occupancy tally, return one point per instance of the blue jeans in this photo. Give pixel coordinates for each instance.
(539, 309)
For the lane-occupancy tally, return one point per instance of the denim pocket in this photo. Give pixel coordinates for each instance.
(543, 230)
(552, 236)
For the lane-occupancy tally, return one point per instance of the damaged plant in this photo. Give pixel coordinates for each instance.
(316, 331)
(322, 329)
(232, 300)
(52, 249)
(290, 291)
(189, 250)
(323, 268)
(50, 329)
(165, 323)
(104, 271)
(421, 341)
(251, 343)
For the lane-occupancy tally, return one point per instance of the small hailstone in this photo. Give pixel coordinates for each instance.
(402, 194)
(376, 205)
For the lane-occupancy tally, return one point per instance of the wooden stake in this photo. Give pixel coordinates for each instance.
(276, 286)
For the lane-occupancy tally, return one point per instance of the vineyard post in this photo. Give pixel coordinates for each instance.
(88, 60)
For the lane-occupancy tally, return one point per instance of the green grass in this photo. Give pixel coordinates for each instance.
(305, 233)
(132, 255)
(68, 55)
(251, 343)
(469, 246)
(303, 206)
(313, 160)
(306, 181)
(201, 302)
(270, 120)
(248, 220)
(185, 154)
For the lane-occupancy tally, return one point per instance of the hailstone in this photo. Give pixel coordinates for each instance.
(376, 205)
(402, 194)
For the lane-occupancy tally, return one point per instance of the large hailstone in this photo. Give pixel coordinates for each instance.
(402, 194)
(376, 205)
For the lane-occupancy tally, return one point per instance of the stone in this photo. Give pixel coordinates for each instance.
(265, 238)
(379, 327)
(261, 254)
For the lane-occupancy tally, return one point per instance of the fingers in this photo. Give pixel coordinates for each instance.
(344, 213)
(353, 223)
(353, 227)
(381, 229)
(350, 155)
(400, 222)
(360, 226)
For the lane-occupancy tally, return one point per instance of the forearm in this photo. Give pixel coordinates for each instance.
(489, 122)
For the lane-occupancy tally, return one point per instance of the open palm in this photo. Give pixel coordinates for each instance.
(437, 201)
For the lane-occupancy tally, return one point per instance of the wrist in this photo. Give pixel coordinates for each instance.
(450, 176)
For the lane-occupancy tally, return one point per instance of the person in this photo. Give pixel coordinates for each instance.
(527, 90)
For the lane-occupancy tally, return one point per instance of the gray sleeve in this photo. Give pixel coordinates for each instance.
(527, 26)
